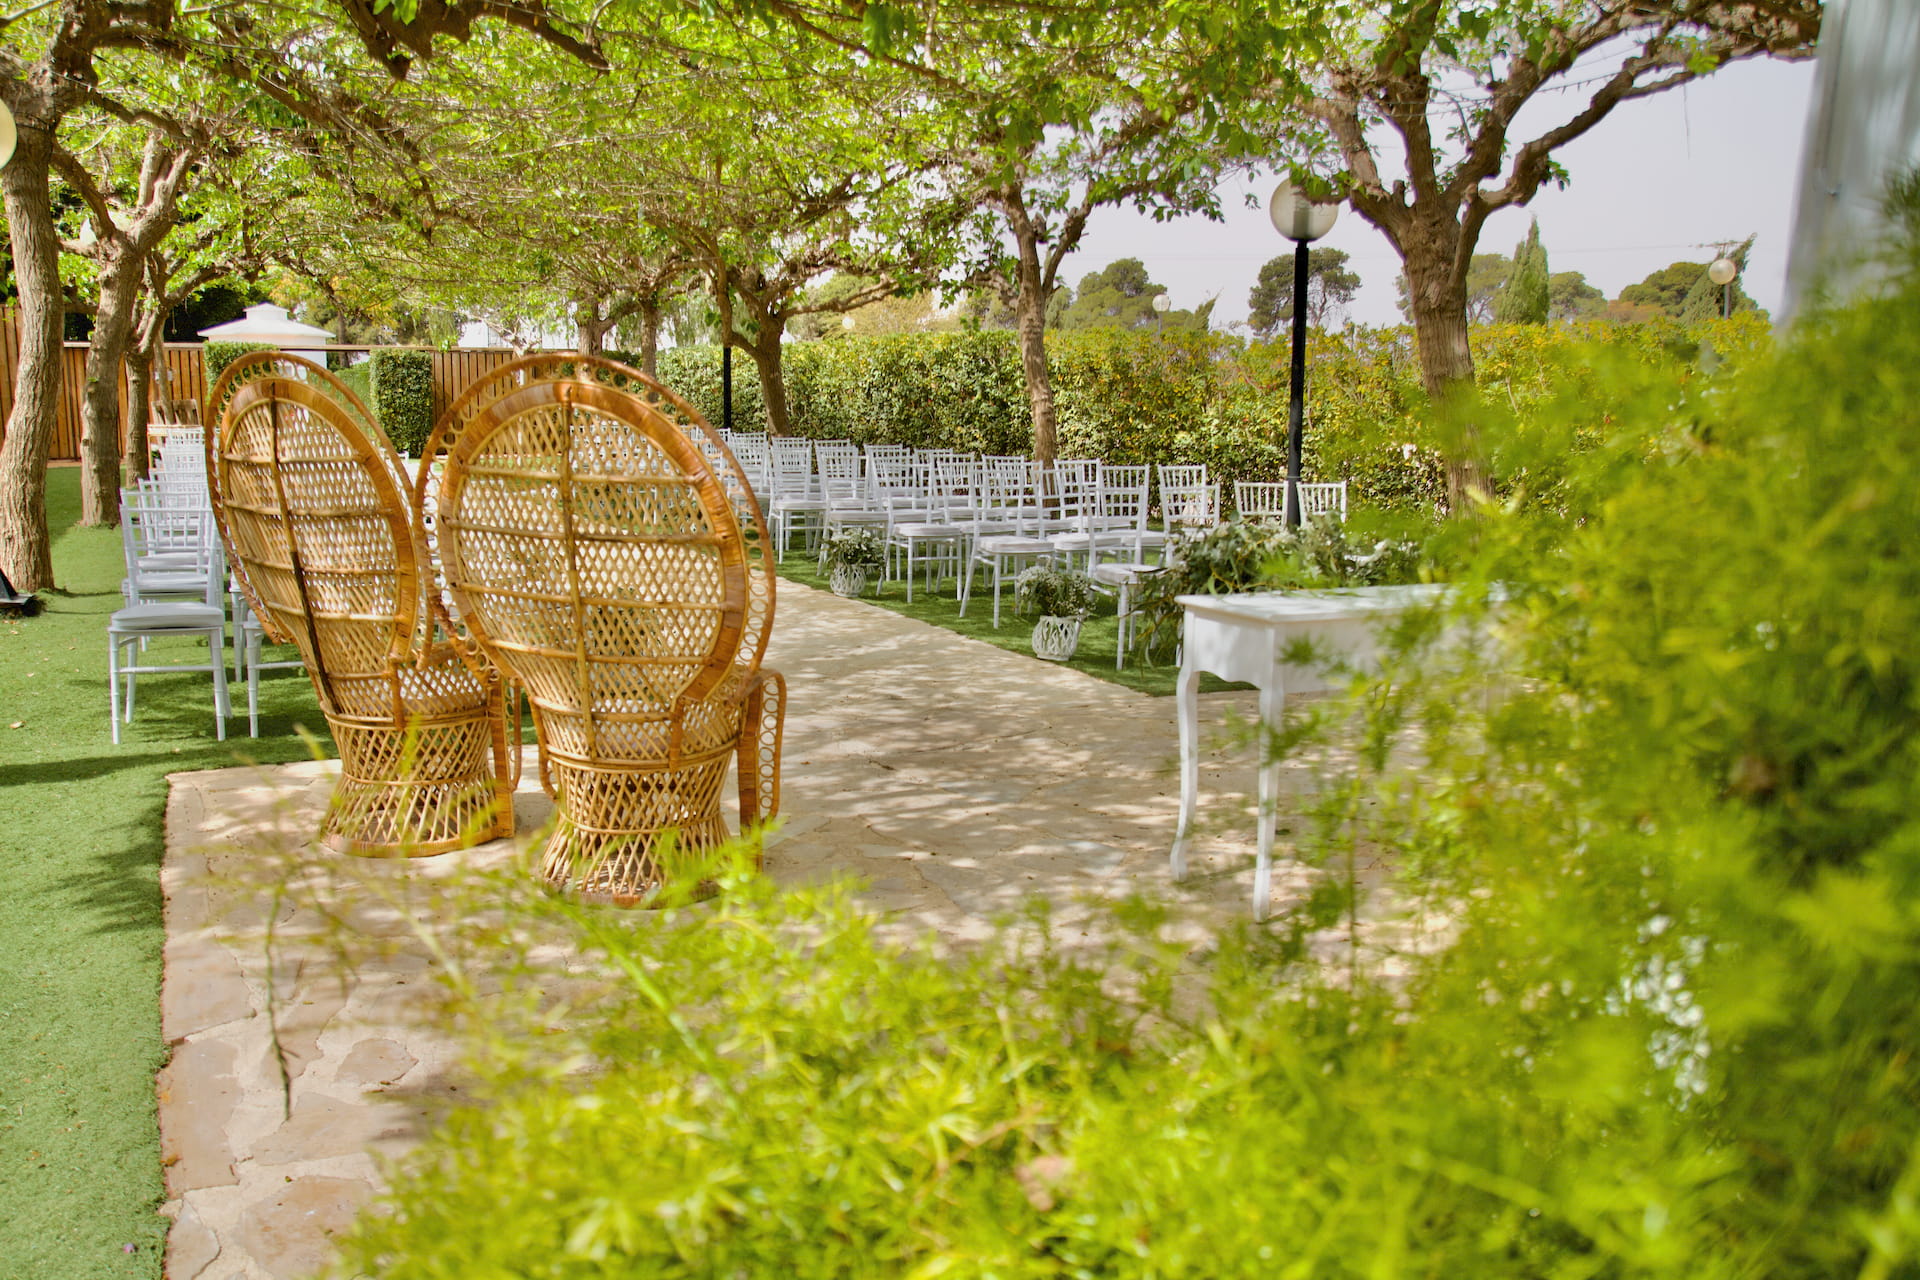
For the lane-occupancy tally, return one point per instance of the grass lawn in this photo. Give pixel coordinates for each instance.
(81, 840)
(1098, 637)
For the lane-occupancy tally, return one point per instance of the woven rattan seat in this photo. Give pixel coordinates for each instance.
(619, 576)
(331, 554)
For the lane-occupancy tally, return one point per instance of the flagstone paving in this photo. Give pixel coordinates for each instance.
(957, 780)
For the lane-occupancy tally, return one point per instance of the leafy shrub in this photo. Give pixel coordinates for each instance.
(1053, 593)
(216, 356)
(856, 546)
(1196, 398)
(402, 385)
(694, 373)
(1237, 555)
(358, 378)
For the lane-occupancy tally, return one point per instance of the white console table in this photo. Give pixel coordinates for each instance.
(1246, 638)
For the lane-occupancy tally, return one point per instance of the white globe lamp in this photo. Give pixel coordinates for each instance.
(1298, 218)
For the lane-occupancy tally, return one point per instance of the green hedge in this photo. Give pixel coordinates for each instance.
(358, 378)
(402, 385)
(216, 356)
(1141, 397)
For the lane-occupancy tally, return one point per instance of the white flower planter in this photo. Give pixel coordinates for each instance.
(848, 579)
(1055, 638)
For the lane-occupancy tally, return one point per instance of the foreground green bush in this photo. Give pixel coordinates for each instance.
(1664, 808)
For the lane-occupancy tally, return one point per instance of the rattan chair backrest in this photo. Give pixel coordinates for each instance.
(242, 370)
(597, 371)
(597, 557)
(331, 549)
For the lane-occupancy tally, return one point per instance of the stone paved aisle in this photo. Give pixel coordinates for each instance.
(956, 779)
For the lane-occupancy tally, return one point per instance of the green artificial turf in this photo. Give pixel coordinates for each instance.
(81, 840)
(1099, 635)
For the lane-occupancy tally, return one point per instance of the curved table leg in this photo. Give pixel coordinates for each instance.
(1187, 710)
(1273, 703)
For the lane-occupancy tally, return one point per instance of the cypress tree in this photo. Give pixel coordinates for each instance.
(1523, 299)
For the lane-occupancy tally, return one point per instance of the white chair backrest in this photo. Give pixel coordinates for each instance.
(889, 475)
(1189, 507)
(1123, 497)
(1324, 499)
(1076, 486)
(840, 475)
(791, 474)
(1183, 475)
(1260, 500)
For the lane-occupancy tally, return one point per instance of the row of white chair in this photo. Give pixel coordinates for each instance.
(798, 479)
(177, 586)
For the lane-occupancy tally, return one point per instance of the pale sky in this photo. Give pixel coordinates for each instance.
(1661, 180)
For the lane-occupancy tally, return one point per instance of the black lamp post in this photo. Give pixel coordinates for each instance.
(1302, 222)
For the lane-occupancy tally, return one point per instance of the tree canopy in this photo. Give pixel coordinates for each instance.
(1331, 285)
(1570, 297)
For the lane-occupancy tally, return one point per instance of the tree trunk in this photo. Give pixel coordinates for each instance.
(1031, 308)
(765, 351)
(588, 328)
(25, 548)
(100, 407)
(1437, 297)
(650, 337)
(134, 463)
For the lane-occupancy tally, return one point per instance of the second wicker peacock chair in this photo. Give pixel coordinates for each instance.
(592, 532)
(329, 547)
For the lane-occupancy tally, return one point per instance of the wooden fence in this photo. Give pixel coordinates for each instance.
(185, 378)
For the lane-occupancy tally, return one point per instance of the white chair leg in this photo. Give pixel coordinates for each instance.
(217, 659)
(113, 684)
(253, 687)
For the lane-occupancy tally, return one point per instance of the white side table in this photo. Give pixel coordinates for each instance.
(1246, 638)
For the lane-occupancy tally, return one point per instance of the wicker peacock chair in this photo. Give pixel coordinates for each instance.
(604, 550)
(314, 507)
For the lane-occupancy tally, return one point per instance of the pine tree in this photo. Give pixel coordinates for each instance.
(1524, 299)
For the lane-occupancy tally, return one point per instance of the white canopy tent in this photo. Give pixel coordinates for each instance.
(272, 326)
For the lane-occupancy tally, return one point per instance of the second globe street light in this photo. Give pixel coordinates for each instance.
(1301, 221)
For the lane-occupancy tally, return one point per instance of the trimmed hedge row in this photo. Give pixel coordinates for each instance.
(1174, 398)
(402, 386)
(216, 356)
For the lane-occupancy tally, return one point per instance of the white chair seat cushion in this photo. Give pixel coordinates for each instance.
(1113, 573)
(1015, 546)
(181, 616)
(917, 530)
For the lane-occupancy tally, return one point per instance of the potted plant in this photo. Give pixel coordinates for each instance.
(1062, 598)
(852, 553)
